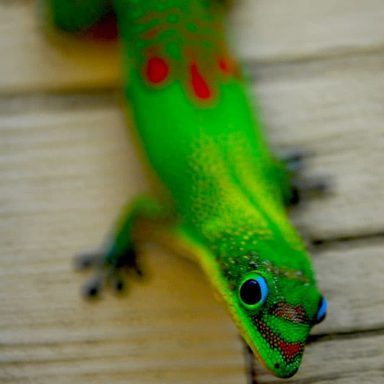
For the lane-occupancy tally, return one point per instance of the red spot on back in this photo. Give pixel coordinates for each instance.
(157, 70)
(199, 84)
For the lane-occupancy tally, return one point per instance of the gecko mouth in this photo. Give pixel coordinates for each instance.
(290, 352)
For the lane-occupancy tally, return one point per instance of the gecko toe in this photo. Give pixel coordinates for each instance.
(88, 260)
(93, 287)
(118, 284)
(295, 160)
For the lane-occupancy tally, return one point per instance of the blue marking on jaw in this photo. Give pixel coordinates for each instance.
(322, 311)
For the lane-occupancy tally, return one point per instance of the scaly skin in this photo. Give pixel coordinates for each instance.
(200, 135)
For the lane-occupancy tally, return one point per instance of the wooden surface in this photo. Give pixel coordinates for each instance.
(67, 165)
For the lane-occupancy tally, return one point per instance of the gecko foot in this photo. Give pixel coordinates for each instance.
(302, 188)
(109, 270)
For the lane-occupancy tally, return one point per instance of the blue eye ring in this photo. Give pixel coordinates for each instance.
(321, 310)
(253, 290)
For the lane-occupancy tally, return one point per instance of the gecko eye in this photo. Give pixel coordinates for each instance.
(253, 290)
(321, 311)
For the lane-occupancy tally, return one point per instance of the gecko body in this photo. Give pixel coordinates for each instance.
(225, 192)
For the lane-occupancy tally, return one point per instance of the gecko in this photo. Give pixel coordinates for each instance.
(218, 187)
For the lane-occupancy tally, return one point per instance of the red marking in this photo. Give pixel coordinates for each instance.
(224, 66)
(104, 30)
(199, 84)
(227, 66)
(290, 350)
(151, 34)
(157, 70)
(289, 312)
(299, 310)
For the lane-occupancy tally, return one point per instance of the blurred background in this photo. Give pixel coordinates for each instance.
(67, 165)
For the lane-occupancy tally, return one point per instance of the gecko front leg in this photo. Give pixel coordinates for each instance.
(119, 253)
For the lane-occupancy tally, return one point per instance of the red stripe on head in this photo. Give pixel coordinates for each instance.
(199, 84)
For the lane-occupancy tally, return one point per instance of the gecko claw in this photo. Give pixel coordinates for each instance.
(93, 287)
(136, 267)
(295, 160)
(128, 261)
(87, 260)
(301, 187)
(304, 189)
(118, 285)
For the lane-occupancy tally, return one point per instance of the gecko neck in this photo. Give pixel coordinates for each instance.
(174, 40)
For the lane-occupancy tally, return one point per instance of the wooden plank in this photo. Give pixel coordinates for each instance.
(333, 110)
(288, 30)
(349, 276)
(64, 170)
(261, 31)
(305, 106)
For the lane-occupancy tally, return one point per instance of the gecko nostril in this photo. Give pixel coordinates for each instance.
(277, 365)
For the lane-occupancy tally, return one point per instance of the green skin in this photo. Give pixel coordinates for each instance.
(225, 193)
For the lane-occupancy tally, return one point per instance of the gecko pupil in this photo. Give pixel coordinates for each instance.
(250, 292)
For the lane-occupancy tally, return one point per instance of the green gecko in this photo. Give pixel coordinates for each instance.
(221, 191)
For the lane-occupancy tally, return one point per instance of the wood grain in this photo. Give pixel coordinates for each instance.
(300, 29)
(67, 165)
(332, 109)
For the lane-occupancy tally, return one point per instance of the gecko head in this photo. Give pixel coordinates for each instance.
(275, 308)
(277, 325)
